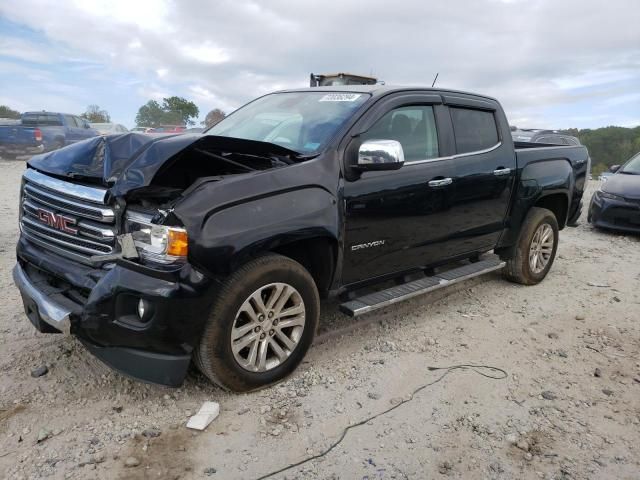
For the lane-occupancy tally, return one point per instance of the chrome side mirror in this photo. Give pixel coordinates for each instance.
(380, 155)
(614, 168)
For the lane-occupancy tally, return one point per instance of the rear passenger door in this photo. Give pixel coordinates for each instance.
(485, 168)
(83, 128)
(73, 133)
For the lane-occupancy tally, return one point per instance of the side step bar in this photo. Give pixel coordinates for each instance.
(384, 298)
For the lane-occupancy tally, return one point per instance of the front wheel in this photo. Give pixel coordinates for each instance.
(261, 325)
(536, 248)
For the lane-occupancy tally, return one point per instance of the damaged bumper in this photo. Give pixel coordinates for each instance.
(39, 307)
(100, 308)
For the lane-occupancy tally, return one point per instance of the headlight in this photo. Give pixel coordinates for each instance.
(158, 243)
(610, 196)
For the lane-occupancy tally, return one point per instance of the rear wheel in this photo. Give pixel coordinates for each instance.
(536, 248)
(261, 325)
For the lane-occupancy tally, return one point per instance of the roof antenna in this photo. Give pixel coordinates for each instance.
(434, 80)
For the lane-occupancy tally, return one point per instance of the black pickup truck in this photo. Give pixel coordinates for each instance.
(216, 248)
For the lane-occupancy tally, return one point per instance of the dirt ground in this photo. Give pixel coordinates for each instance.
(568, 406)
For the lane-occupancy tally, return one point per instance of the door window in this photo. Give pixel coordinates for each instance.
(414, 127)
(474, 130)
(71, 122)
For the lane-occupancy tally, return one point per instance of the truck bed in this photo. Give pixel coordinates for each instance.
(542, 160)
(527, 152)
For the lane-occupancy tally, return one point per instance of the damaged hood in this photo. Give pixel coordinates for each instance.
(131, 160)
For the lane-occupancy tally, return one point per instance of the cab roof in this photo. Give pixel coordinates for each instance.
(380, 90)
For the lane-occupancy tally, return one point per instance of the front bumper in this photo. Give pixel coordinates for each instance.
(39, 307)
(622, 215)
(99, 306)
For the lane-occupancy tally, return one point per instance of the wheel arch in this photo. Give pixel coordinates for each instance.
(317, 254)
(558, 204)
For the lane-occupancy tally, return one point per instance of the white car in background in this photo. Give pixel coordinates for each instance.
(109, 128)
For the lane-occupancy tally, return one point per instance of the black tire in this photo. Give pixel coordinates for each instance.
(518, 268)
(214, 356)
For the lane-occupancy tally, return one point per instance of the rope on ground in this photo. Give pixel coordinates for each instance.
(494, 373)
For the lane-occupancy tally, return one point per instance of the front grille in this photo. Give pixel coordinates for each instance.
(66, 218)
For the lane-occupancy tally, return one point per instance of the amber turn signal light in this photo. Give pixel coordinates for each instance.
(178, 243)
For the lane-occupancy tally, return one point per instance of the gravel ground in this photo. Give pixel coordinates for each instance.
(568, 407)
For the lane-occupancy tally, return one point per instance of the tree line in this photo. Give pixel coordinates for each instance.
(608, 145)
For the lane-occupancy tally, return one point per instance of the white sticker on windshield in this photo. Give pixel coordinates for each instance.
(340, 97)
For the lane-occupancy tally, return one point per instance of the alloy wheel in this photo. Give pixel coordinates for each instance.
(268, 327)
(541, 248)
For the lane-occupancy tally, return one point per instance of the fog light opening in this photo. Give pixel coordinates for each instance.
(145, 310)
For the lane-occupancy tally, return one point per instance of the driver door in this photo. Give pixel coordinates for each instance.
(397, 220)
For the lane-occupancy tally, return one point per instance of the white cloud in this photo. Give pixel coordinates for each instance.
(205, 53)
(534, 56)
(23, 50)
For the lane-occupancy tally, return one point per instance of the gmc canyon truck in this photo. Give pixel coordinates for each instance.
(216, 248)
(42, 132)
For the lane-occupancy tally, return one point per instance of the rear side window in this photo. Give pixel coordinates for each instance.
(414, 127)
(474, 129)
(41, 120)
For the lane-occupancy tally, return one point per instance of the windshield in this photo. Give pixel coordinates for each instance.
(632, 166)
(300, 121)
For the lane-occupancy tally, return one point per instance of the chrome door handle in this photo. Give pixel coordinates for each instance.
(440, 182)
(502, 171)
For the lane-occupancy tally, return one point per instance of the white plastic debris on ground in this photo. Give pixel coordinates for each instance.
(207, 414)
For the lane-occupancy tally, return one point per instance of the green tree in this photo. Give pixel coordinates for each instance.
(95, 115)
(213, 117)
(150, 115)
(608, 145)
(180, 110)
(6, 112)
(173, 111)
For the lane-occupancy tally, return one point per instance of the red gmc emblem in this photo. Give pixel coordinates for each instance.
(59, 222)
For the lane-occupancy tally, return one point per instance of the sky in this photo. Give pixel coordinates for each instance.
(551, 63)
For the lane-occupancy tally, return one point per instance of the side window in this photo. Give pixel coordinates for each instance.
(474, 129)
(79, 122)
(414, 127)
(70, 121)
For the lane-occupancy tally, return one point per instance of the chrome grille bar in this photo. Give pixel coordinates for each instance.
(65, 218)
(56, 236)
(68, 189)
(55, 201)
